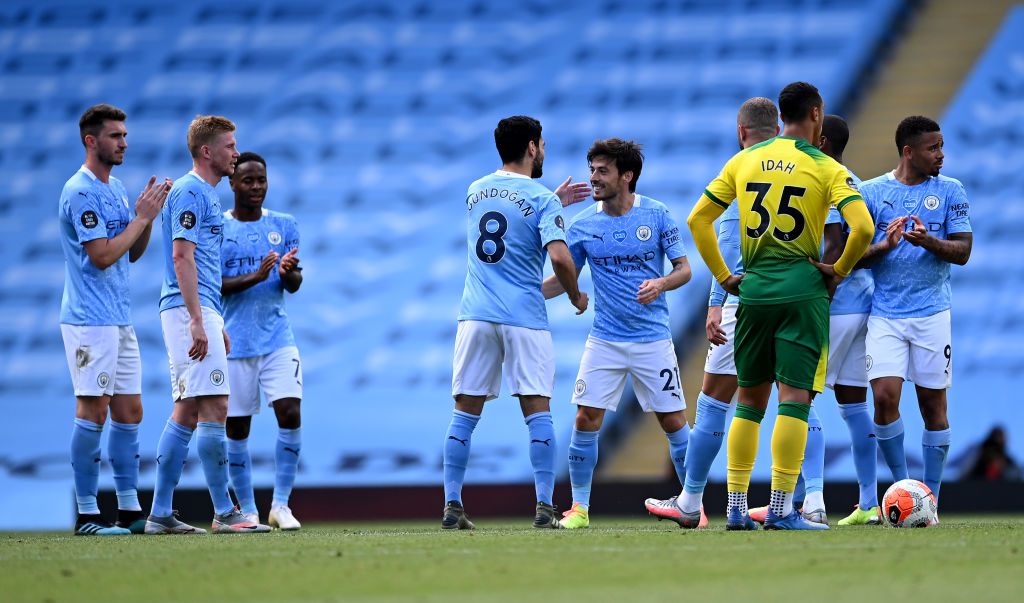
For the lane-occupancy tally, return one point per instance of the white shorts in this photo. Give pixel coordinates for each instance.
(482, 347)
(720, 357)
(653, 366)
(916, 349)
(278, 374)
(103, 360)
(191, 378)
(846, 355)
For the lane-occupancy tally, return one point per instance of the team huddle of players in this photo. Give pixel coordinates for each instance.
(819, 279)
(223, 320)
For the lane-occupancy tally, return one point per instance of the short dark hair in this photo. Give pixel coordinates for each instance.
(759, 115)
(513, 136)
(92, 120)
(796, 100)
(835, 129)
(628, 156)
(911, 129)
(247, 157)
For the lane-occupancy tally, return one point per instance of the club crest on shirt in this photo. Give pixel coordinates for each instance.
(619, 236)
(931, 202)
(89, 219)
(274, 237)
(868, 362)
(253, 237)
(581, 387)
(643, 232)
(187, 220)
(102, 380)
(217, 377)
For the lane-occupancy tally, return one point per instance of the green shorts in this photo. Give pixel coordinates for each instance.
(782, 342)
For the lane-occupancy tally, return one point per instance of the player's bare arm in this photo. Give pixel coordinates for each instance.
(234, 284)
(893, 234)
(144, 205)
(831, 277)
(103, 253)
(565, 272)
(713, 326)
(955, 250)
(551, 288)
(183, 256)
(650, 289)
(291, 274)
(569, 193)
(834, 243)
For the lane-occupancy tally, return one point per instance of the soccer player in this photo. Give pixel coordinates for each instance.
(625, 238)
(100, 235)
(784, 187)
(756, 122)
(924, 226)
(263, 354)
(194, 334)
(513, 221)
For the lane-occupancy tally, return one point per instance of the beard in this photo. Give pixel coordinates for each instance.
(538, 167)
(110, 159)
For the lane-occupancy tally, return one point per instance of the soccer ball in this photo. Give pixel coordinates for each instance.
(909, 504)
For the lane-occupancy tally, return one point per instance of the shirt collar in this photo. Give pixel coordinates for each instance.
(511, 175)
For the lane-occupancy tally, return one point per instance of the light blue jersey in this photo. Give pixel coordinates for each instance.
(90, 210)
(623, 252)
(911, 282)
(255, 318)
(511, 220)
(192, 212)
(729, 245)
(853, 296)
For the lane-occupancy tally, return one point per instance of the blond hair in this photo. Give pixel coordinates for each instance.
(204, 129)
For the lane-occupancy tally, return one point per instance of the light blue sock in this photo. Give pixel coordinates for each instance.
(543, 452)
(890, 441)
(456, 453)
(286, 462)
(240, 472)
(677, 443)
(213, 455)
(123, 452)
(582, 461)
(935, 446)
(705, 441)
(865, 450)
(813, 469)
(171, 452)
(799, 491)
(85, 464)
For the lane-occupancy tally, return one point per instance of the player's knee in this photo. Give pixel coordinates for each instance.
(672, 422)
(288, 413)
(237, 428)
(589, 419)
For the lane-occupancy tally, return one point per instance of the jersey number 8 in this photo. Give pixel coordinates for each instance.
(490, 247)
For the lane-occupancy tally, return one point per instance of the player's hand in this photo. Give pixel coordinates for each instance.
(732, 284)
(288, 262)
(227, 341)
(894, 232)
(200, 345)
(828, 273)
(917, 235)
(572, 193)
(268, 263)
(713, 326)
(649, 290)
(151, 199)
(580, 302)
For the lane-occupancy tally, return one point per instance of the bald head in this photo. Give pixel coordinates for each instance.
(759, 117)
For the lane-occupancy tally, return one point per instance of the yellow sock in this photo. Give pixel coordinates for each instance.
(742, 446)
(788, 442)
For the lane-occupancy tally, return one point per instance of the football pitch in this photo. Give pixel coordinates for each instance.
(976, 558)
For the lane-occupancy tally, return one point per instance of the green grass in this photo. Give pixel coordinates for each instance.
(966, 558)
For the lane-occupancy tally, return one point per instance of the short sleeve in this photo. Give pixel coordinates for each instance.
(574, 237)
(550, 223)
(87, 215)
(185, 210)
(671, 237)
(722, 190)
(958, 210)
